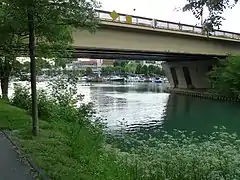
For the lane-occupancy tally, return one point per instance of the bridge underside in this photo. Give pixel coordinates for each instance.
(100, 53)
(183, 70)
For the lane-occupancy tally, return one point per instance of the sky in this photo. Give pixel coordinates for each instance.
(167, 10)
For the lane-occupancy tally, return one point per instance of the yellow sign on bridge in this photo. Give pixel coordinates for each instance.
(114, 15)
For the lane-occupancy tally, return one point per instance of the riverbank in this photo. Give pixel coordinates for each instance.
(72, 145)
(62, 150)
(65, 148)
(54, 150)
(201, 93)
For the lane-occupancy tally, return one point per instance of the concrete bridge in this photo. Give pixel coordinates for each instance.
(121, 33)
(189, 52)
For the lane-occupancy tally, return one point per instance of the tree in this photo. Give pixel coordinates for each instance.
(89, 71)
(117, 69)
(138, 68)
(144, 70)
(47, 25)
(215, 10)
(152, 69)
(159, 71)
(116, 63)
(17, 69)
(61, 62)
(225, 77)
(121, 63)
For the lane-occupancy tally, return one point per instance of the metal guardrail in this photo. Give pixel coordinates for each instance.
(160, 24)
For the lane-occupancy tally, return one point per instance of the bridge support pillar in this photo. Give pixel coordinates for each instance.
(188, 74)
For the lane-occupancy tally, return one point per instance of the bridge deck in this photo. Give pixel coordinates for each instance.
(161, 24)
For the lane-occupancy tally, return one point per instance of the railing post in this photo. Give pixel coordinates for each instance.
(180, 26)
(154, 23)
(167, 25)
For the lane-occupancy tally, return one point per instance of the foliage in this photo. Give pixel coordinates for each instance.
(144, 70)
(62, 97)
(215, 10)
(121, 63)
(132, 67)
(225, 77)
(138, 69)
(61, 62)
(112, 70)
(89, 71)
(21, 97)
(188, 156)
(21, 68)
(12, 117)
(53, 22)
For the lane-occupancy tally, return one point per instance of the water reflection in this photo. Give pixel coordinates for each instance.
(193, 114)
(132, 105)
(145, 109)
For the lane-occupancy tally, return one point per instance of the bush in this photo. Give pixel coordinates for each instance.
(186, 157)
(45, 105)
(60, 102)
(225, 78)
(21, 97)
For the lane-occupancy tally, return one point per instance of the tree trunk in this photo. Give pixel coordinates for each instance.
(6, 68)
(31, 10)
(4, 86)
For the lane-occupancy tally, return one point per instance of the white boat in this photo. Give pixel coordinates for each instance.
(132, 79)
(83, 79)
(117, 78)
(157, 80)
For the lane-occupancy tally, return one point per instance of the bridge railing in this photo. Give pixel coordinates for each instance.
(160, 24)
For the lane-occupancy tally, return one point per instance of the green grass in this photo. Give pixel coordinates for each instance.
(50, 150)
(12, 117)
(61, 150)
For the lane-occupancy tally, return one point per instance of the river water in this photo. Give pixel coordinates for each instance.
(143, 108)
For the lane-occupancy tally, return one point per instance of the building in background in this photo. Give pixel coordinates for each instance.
(95, 64)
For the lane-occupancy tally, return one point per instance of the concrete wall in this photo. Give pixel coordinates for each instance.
(198, 72)
(136, 38)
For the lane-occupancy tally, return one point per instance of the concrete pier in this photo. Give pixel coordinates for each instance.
(188, 74)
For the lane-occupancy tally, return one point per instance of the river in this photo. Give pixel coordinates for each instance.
(143, 108)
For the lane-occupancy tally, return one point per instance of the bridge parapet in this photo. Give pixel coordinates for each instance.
(161, 24)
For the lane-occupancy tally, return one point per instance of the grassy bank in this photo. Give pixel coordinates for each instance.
(12, 117)
(62, 150)
(57, 150)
